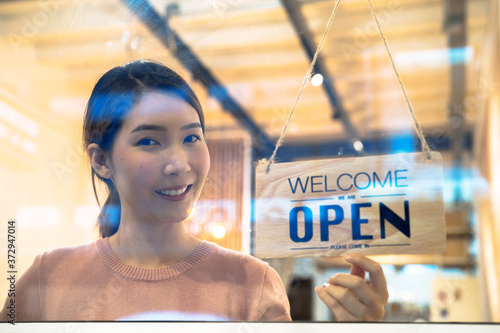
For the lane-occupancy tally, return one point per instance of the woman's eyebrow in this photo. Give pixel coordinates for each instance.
(148, 127)
(192, 125)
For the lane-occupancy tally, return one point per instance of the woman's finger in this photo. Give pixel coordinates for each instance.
(340, 313)
(377, 276)
(357, 285)
(347, 299)
(367, 301)
(358, 271)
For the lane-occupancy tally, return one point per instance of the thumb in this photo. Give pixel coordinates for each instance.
(357, 271)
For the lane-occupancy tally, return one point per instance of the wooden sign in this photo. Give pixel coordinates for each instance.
(390, 204)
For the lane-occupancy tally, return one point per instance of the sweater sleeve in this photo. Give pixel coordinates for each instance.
(274, 304)
(26, 297)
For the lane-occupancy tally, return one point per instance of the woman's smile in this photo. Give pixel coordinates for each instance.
(175, 194)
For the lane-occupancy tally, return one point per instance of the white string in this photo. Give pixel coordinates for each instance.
(309, 71)
(425, 147)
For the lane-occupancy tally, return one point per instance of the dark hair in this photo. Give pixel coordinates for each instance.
(114, 95)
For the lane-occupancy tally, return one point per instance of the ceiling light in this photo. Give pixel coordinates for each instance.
(358, 145)
(317, 80)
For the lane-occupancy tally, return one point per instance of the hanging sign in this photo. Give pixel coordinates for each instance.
(389, 204)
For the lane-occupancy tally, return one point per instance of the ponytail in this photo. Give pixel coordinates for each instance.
(108, 220)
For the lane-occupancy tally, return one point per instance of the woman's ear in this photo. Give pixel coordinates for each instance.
(99, 160)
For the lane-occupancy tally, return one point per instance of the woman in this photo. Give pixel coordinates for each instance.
(144, 134)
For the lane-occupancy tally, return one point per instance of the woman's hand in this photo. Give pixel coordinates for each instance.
(350, 297)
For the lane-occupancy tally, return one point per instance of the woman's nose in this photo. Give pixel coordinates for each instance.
(177, 161)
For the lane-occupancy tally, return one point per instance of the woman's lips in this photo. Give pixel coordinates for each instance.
(174, 194)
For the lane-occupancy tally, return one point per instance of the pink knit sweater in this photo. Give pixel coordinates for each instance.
(91, 283)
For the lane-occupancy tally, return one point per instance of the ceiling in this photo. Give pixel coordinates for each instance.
(53, 54)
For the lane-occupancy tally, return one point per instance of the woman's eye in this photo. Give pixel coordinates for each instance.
(147, 142)
(191, 138)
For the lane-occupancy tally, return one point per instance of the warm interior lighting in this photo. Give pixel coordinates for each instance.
(358, 145)
(219, 231)
(135, 42)
(125, 36)
(18, 120)
(317, 80)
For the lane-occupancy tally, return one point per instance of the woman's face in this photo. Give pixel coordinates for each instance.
(159, 159)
